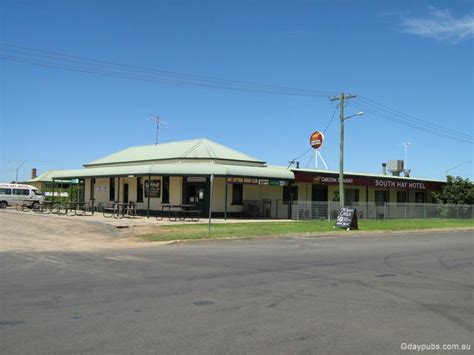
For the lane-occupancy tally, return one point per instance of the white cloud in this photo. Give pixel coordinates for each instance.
(441, 25)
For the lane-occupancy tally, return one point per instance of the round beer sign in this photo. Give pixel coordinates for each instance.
(316, 139)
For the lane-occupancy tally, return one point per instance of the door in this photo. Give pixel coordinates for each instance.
(319, 196)
(197, 194)
(125, 193)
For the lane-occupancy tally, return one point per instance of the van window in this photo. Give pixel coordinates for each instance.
(4, 191)
(23, 192)
(37, 192)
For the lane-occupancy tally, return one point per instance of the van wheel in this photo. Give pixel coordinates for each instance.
(3, 204)
(34, 205)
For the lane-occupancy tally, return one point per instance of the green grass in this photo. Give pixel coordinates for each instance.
(248, 230)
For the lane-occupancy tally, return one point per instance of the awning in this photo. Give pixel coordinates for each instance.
(179, 169)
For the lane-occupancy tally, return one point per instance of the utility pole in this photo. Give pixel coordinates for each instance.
(341, 98)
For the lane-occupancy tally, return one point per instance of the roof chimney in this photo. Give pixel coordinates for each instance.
(33, 173)
(384, 168)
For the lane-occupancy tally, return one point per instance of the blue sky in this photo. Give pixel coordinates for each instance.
(413, 56)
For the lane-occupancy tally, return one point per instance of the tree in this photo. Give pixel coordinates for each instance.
(457, 191)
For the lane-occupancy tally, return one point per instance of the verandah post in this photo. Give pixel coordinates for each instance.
(148, 199)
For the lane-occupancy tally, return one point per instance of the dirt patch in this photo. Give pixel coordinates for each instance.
(28, 231)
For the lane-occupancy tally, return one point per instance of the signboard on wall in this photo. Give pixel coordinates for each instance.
(254, 181)
(377, 182)
(155, 188)
(101, 188)
(196, 179)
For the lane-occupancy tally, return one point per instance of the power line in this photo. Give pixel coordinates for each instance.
(413, 124)
(63, 61)
(55, 55)
(406, 116)
(324, 131)
(427, 130)
(332, 118)
(130, 72)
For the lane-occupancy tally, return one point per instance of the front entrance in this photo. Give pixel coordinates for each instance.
(125, 193)
(196, 192)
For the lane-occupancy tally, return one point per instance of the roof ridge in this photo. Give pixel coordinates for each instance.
(209, 149)
(192, 149)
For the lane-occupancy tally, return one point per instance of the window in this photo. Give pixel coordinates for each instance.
(139, 190)
(381, 197)
(419, 197)
(401, 196)
(288, 191)
(237, 194)
(351, 196)
(166, 190)
(23, 192)
(5, 191)
(38, 192)
(112, 189)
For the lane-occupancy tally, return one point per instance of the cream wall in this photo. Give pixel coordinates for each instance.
(218, 203)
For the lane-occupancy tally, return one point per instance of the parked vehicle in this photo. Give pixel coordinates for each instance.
(17, 194)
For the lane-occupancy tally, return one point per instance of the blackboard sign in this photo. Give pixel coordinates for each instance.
(347, 218)
(155, 188)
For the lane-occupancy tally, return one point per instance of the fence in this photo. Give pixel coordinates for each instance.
(329, 210)
(266, 208)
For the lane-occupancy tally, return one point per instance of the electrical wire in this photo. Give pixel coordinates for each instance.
(407, 117)
(62, 61)
(332, 118)
(413, 124)
(324, 131)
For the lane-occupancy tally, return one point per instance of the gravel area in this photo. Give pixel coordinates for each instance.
(30, 231)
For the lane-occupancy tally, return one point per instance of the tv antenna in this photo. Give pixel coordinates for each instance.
(159, 123)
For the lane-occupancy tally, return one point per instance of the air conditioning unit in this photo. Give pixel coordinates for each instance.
(395, 167)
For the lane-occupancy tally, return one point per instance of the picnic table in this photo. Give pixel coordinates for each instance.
(180, 212)
(120, 210)
(78, 208)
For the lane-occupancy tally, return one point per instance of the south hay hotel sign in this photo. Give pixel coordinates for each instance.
(381, 183)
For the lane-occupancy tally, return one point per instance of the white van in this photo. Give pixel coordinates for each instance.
(16, 194)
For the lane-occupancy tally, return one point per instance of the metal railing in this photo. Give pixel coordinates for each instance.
(266, 208)
(329, 210)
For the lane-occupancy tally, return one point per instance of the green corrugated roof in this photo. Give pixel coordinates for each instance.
(46, 177)
(190, 149)
(180, 169)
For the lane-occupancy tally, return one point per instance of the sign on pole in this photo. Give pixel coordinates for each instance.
(316, 139)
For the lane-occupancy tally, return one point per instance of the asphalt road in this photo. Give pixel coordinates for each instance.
(353, 295)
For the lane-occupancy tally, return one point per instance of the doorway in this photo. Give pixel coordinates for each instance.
(196, 192)
(319, 194)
